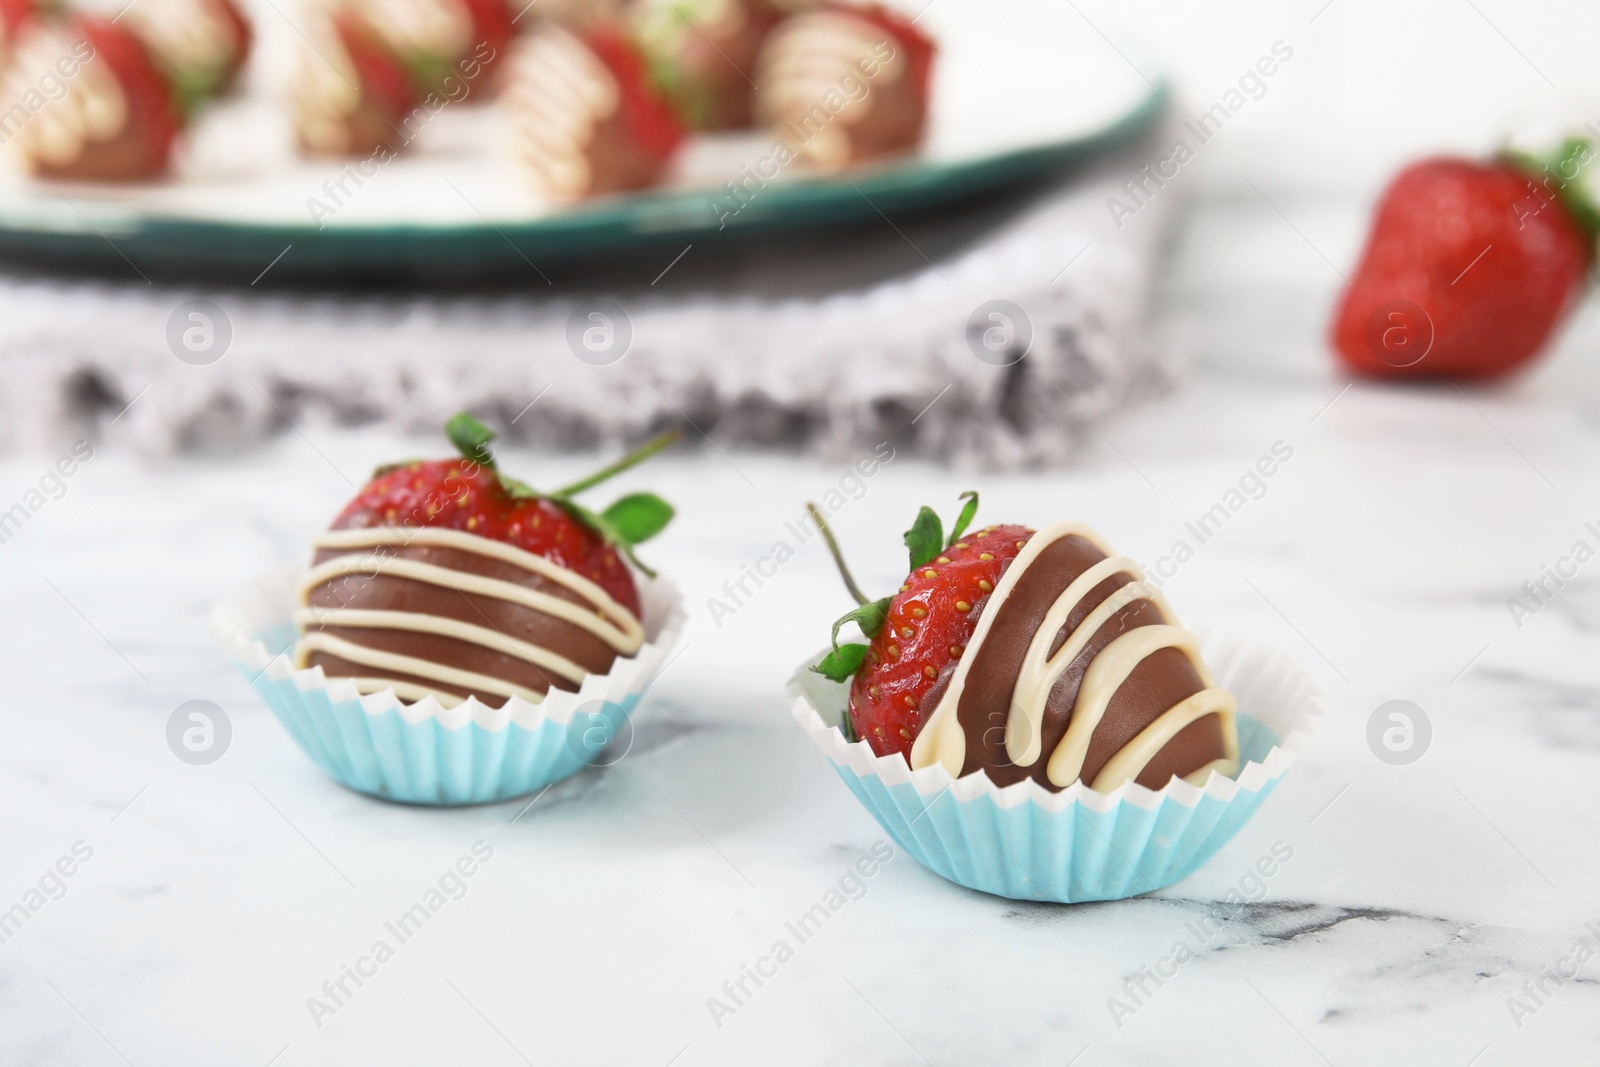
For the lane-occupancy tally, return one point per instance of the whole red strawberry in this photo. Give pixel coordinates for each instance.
(1469, 269)
(469, 494)
(919, 634)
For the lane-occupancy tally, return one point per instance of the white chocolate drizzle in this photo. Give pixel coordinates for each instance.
(943, 740)
(806, 70)
(324, 93)
(595, 612)
(420, 27)
(186, 33)
(558, 93)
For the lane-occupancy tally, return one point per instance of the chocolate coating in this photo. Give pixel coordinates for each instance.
(375, 590)
(1155, 685)
(887, 109)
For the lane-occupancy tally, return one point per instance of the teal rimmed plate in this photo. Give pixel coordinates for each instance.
(1020, 95)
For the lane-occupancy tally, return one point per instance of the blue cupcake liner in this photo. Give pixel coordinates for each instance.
(423, 752)
(1027, 843)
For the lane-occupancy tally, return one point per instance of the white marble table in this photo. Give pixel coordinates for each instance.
(1419, 898)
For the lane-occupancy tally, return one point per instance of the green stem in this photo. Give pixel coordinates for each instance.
(632, 459)
(838, 557)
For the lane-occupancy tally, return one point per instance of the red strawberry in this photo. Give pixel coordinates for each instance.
(1469, 269)
(920, 633)
(470, 495)
(928, 626)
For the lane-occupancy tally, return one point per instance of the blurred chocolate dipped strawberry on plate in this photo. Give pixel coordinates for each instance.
(842, 84)
(583, 116)
(114, 116)
(449, 47)
(351, 94)
(702, 55)
(200, 45)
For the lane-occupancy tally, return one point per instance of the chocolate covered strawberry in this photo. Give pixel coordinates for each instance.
(702, 54)
(447, 46)
(919, 634)
(1025, 655)
(584, 117)
(447, 578)
(469, 494)
(116, 118)
(353, 95)
(845, 83)
(1469, 268)
(200, 45)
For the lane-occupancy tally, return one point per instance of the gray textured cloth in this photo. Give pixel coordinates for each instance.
(829, 340)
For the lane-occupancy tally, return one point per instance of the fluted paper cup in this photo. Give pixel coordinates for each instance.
(425, 753)
(1027, 843)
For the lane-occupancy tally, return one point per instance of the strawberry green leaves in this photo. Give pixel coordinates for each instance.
(968, 510)
(603, 526)
(841, 664)
(631, 520)
(869, 617)
(471, 438)
(925, 539)
(845, 660)
(1561, 168)
(638, 517)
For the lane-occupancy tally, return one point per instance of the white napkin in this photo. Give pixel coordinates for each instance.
(827, 341)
